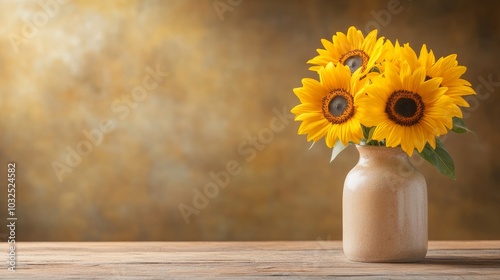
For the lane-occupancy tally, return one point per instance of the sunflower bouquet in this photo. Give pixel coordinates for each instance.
(373, 92)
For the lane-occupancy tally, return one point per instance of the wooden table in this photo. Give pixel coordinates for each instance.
(242, 260)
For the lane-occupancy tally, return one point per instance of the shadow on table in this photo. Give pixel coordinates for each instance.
(463, 261)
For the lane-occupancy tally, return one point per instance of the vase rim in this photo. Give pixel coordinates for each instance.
(392, 149)
(373, 146)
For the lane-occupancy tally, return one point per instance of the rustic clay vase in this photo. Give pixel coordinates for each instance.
(384, 208)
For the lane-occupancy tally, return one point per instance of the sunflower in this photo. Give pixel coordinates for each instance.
(446, 68)
(393, 52)
(328, 107)
(353, 50)
(406, 109)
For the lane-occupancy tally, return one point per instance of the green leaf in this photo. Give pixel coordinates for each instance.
(459, 125)
(367, 134)
(439, 158)
(370, 134)
(337, 148)
(366, 131)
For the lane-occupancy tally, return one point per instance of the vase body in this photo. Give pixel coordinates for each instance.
(384, 208)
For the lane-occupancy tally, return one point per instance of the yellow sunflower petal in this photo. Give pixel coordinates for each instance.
(328, 107)
(407, 110)
(331, 137)
(351, 48)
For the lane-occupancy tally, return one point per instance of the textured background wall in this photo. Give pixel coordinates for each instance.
(171, 91)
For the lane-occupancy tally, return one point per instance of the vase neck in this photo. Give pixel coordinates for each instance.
(382, 155)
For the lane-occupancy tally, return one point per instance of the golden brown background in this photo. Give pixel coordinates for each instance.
(67, 66)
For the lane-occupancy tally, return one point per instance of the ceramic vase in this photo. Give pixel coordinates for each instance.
(384, 208)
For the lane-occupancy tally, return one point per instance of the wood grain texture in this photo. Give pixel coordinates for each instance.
(227, 79)
(243, 260)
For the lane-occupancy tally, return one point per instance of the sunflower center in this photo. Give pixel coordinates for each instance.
(355, 59)
(338, 106)
(354, 62)
(405, 108)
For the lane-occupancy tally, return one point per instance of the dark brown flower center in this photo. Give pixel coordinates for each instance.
(355, 59)
(338, 106)
(405, 107)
